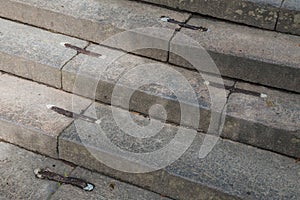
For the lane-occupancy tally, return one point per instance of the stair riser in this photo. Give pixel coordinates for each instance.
(274, 75)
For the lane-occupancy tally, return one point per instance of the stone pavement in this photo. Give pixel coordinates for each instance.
(19, 182)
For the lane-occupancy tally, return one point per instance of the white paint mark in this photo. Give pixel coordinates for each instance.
(89, 187)
(98, 121)
(262, 95)
(37, 173)
(165, 19)
(63, 44)
(50, 106)
(206, 83)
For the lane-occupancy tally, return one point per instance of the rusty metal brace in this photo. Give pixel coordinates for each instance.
(182, 24)
(49, 175)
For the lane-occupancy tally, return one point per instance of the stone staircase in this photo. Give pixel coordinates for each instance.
(69, 75)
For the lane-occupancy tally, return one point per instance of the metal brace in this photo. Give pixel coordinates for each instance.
(184, 25)
(49, 175)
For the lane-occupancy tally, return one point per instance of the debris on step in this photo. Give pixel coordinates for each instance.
(49, 175)
(112, 185)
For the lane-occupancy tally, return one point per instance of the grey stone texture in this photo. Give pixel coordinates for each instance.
(105, 189)
(34, 53)
(81, 144)
(230, 171)
(289, 17)
(259, 13)
(244, 53)
(97, 78)
(271, 123)
(25, 119)
(17, 178)
(95, 20)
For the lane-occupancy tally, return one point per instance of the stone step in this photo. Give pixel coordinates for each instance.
(230, 171)
(18, 180)
(271, 117)
(249, 54)
(25, 119)
(174, 158)
(17, 177)
(34, 53)
(105, 189)
(289, 17)
(276, 15)
(240, 52)
(90, 71)
(95, 21)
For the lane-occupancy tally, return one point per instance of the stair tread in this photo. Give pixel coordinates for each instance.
(34, 53)
(19, 181)
(105, 189)
(222, 174)
(230, 168)
(248, 42)
(289, 17)
(93, 20)
(25, 118)
(278, 125)
(17, 173)
(275, 15)
(241, 52)
(257, 13)
(275, 117)
(246, 53)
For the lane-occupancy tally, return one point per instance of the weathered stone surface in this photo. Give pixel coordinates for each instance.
(93, 20)
(25, 119)
(17, 178)
(34, 53)
(271, 123)
(81, 144)
(71, 149)
(97, 78)
(241, 170)
(259, 13)
(289, 17)
(230, 171)
(106, 189)
(246, 53)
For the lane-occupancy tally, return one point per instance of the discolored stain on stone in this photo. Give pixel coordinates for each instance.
(272, 122)
(289, 17)
(257, 13)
